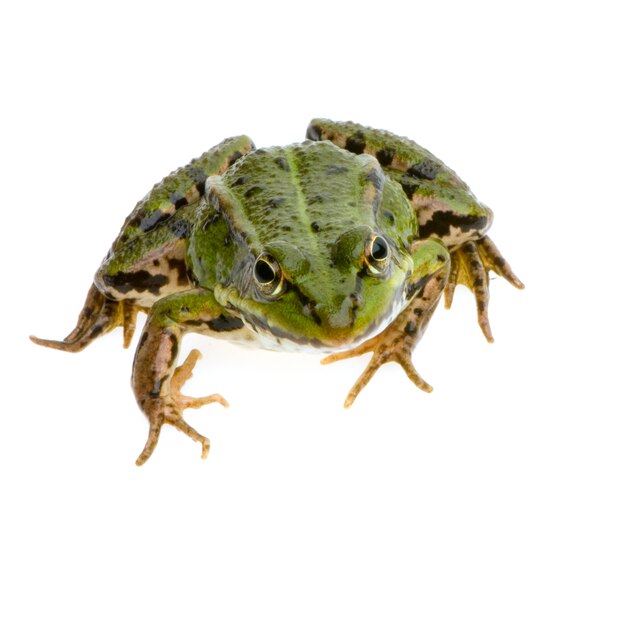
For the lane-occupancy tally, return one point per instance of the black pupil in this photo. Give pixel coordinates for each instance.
(379, 249)
(264, 272)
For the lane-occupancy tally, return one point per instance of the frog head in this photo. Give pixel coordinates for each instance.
(313, 244)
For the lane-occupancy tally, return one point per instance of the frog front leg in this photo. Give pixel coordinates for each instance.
(397, 341)
(156, 380)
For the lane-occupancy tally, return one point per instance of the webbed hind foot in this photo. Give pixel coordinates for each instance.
(98, 316)
(471, 264)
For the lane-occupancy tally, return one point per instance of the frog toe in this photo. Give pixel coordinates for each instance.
(98, 316)
(387, 347)
(379, 358)
(171, 415)
(470, 266)
(169, 409)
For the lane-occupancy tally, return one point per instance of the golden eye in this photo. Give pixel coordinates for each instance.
(376, 254)
(268, 276)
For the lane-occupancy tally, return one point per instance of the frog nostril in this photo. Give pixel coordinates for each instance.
(310, 310)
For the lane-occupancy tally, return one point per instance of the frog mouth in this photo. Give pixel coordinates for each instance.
(326, 340)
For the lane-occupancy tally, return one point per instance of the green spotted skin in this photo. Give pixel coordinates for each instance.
(343, 244)
(181, 188)
(147, 260)
(283, 201)
(445, 206)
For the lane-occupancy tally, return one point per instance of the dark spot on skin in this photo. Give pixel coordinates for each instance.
(224, 323)
(357, 300)
(253, 191)
(418, 311)
(184, 309)
(390, 216)
(385, 156)
(336, 169)
(156, 388)
(178, 200)
(138, 281)
(441, 258)
(314, 132)
(180, 267)
(173, 349)
(441, 221)
(356, 143)
(276, 202)
(481, 305)
(426, 169)
(241, 180)
(156, 262)
(409, 186)
(479, 282)
(180, 227)
(410, 328)
(317, 198)
(235, 156)
(151, 220)
(315, 227)
(413, 288)
(376, 178)
(282, 163)
(200, 186)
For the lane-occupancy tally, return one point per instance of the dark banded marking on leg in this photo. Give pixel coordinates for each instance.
(440, 224)
(494, 260)
(140, 281)
(356, 143)
(479, 284)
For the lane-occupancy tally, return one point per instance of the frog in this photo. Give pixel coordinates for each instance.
(342, 244)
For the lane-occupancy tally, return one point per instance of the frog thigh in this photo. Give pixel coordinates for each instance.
(148, 269)
(156, 380)
(444, 205)
(180, 189)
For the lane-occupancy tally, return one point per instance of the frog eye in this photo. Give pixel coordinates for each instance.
(376, 254)
(268, 276)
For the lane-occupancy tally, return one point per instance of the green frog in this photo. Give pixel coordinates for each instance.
(343, 244)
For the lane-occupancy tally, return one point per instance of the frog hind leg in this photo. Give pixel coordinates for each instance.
(98, 316)
(471, 264)
(397, 341)
(156, 380)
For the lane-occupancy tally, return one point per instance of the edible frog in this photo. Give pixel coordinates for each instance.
(342, 244)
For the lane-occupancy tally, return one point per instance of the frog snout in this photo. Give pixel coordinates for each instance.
(341, 314)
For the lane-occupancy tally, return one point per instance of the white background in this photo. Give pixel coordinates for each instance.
(497, 499)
